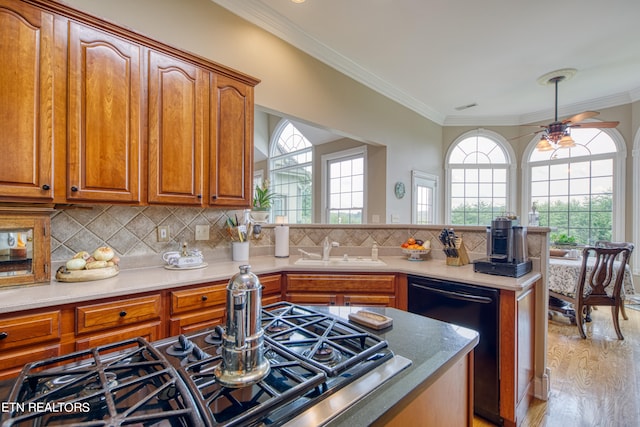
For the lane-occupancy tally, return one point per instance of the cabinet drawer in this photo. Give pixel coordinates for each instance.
(195, 321)
(24, 330)
(368, 300)
(149, 331)
(312, 299)
(13, 362)
(98, 317)
(198, 298)
(341, 283)
(271, 284)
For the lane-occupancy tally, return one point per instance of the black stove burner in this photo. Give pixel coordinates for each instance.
(125, 383)
(324, 354)
(278, 331)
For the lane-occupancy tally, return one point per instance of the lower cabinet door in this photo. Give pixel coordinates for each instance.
(148, 331)
(195, 321)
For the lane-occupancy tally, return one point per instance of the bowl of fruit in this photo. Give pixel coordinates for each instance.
(415, 248)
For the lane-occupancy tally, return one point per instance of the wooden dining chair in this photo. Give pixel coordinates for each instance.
(628, 245)
(599, 284)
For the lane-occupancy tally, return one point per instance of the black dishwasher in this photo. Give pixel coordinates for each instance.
(475, 308)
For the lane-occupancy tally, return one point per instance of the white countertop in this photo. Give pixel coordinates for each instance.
(136, 280)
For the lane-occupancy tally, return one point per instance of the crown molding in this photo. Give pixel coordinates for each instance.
(264, 17)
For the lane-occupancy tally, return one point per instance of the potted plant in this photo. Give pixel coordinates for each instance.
(262, 202)
(562, 239)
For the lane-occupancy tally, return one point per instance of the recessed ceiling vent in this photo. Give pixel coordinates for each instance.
(464, 107)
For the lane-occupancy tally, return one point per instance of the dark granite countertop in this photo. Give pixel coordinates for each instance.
(432, 346)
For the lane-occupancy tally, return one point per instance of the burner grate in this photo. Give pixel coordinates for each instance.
(289, 379)
(127, 383)
(324, 341)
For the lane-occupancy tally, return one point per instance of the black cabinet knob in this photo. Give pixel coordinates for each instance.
(74, 188)
(199, 196)
(46, 187)
(123, 313)
(3, 335)
(204, 298)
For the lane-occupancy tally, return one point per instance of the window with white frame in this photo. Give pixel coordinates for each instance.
(344, 186)
(577, 190)
(479, 171)
(423, 197)
(291, 171)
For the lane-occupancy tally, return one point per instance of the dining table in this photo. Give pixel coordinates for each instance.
(564, 273)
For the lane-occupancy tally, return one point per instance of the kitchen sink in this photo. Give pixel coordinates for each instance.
(338, 261)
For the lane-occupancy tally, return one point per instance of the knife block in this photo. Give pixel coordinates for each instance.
(462, 258)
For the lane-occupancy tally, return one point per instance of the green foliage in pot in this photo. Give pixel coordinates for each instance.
(262, 197)
(563, 239)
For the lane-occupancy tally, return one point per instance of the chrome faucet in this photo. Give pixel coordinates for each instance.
(326, 248)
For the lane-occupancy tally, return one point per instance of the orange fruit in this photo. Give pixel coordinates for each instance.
(404, 245)
(411, 241)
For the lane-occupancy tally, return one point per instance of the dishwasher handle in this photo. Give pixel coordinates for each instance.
(455, 295)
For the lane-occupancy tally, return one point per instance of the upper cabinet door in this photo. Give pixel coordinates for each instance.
(26, 102)
(104, 118)
(178, 110)
(231, 155)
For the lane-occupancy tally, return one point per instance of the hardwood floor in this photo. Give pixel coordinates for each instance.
(594, 382)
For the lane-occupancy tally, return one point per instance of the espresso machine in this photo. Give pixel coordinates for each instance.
(243, 362)
(507, 253)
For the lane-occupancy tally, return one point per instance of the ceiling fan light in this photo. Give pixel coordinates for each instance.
(543, 145)
(566, 142)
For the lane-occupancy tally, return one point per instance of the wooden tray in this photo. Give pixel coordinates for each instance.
(64, 275)
(370, 319)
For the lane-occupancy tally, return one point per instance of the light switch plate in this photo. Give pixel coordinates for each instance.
(163, 233)
(202, 232)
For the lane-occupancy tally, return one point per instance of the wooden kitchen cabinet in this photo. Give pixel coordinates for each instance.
(231, 149)
(341, 289)
(28, 338)
(26, 106)
(106, 322)
(178, 134)
(272, 288)
(204, 306)
(197, 308)
(105, 116)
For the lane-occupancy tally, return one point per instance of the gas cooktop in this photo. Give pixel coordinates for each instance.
(313, 356)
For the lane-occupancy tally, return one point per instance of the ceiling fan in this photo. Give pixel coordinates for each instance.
(558, 134)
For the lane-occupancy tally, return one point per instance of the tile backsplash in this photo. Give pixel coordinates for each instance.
(132, 232)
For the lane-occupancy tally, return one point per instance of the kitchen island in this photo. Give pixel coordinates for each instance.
(441, 367)
(435, 388)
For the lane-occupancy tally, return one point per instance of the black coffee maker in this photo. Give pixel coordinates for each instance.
(506, 250)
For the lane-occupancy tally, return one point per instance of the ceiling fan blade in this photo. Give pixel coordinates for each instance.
(581, 116)
(596, 125)
(527, 134)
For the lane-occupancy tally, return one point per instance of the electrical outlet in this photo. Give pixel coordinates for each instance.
(163, 233)
(202, 232)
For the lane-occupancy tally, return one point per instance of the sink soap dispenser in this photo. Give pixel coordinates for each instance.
(374, 252)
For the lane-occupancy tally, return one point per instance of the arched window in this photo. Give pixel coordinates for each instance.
(479, 172)
(578, 190)
(290, 172)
